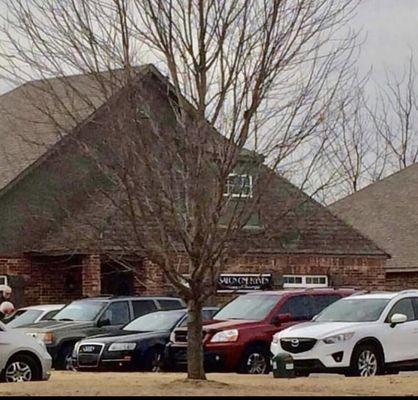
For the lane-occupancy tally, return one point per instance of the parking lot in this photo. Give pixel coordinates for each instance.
(174, 384)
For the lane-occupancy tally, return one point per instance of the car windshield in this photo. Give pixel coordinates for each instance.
(156, 321)
(248, 307)
(353, 310)
(26, 317)
(80, 311)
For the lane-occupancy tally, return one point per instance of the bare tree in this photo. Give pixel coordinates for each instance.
(395, 115)
(256, 74)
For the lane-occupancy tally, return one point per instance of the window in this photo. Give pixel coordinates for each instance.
(405, 307)
(297, 281)
(239, 186)
(49, 315)
(170, 304)
(117, 313)
(142, 307)
(322, 301)
(3, 280)
(301, 307)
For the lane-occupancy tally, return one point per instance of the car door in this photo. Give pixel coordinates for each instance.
(400, 343)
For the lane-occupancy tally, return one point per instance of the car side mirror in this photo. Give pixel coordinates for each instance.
(397, 319)
(103, 322)
(281, 318)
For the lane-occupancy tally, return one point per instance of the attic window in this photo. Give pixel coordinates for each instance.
(239, 186)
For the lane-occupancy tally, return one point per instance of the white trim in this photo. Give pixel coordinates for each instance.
(303, 284)
(3, 280)
(243, 195)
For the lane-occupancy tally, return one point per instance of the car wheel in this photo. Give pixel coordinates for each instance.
(64, 359)
(366, 361)
(21, 368)
(256, 361)
(153, 359)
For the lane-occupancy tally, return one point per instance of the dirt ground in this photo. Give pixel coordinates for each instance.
(174, 384)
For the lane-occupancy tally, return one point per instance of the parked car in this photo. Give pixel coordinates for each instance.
(22, 358)
(92, 316)
(32, 315)
(238, 339)
(365, 335)
(139, 345)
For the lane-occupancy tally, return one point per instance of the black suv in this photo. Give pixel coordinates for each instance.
(92, 316)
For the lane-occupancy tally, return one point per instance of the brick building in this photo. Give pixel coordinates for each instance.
(387, 213)
(52, 251)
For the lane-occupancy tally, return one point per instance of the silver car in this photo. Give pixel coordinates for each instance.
(31, 315)
(22, 357)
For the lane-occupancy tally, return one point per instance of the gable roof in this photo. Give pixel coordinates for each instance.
(309, 229)
(27, 131)
(387, 213)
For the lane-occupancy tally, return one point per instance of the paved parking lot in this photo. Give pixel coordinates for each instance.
(174, 384)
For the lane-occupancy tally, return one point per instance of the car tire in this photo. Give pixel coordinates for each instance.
(22, 368)
(302, 374)
(153, 359)
(64, 359)
(366, 360)
(255, 361)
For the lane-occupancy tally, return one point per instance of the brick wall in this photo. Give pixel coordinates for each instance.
(401, 281)
(51, 282)
(90, 275)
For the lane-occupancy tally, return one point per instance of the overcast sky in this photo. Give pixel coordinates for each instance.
(391, 28)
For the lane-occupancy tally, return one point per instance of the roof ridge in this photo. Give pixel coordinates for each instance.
(81, 74)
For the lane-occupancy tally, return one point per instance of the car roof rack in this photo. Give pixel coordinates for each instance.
(331, 288)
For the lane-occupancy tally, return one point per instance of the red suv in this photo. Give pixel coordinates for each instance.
(239, 336)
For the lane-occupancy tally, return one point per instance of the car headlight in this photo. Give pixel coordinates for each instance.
(338, 338)
(44, 337)
(226, 336)
(122, 346)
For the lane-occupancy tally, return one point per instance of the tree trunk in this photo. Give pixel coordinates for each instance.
(195, 368)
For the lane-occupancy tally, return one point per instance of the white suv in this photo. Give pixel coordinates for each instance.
(363, 334)
(22, 358)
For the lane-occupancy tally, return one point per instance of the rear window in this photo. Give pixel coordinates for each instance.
(170, 304)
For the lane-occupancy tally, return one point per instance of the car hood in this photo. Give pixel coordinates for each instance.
(215, 325)
(47, 326)
(125, 336)
(320, 330)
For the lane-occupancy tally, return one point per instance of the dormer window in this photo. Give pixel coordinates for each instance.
(239, 185)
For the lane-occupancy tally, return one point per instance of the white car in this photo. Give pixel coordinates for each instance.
(360, 335)
(31, 315)
(22, 357)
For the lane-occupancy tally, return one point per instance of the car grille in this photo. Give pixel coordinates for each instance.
(297, 345)
(89, 355)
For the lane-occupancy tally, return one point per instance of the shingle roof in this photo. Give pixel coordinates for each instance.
(26, 130)
(307, 229)
(387, 213)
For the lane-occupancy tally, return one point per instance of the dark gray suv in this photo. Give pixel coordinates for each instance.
(92, 316)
